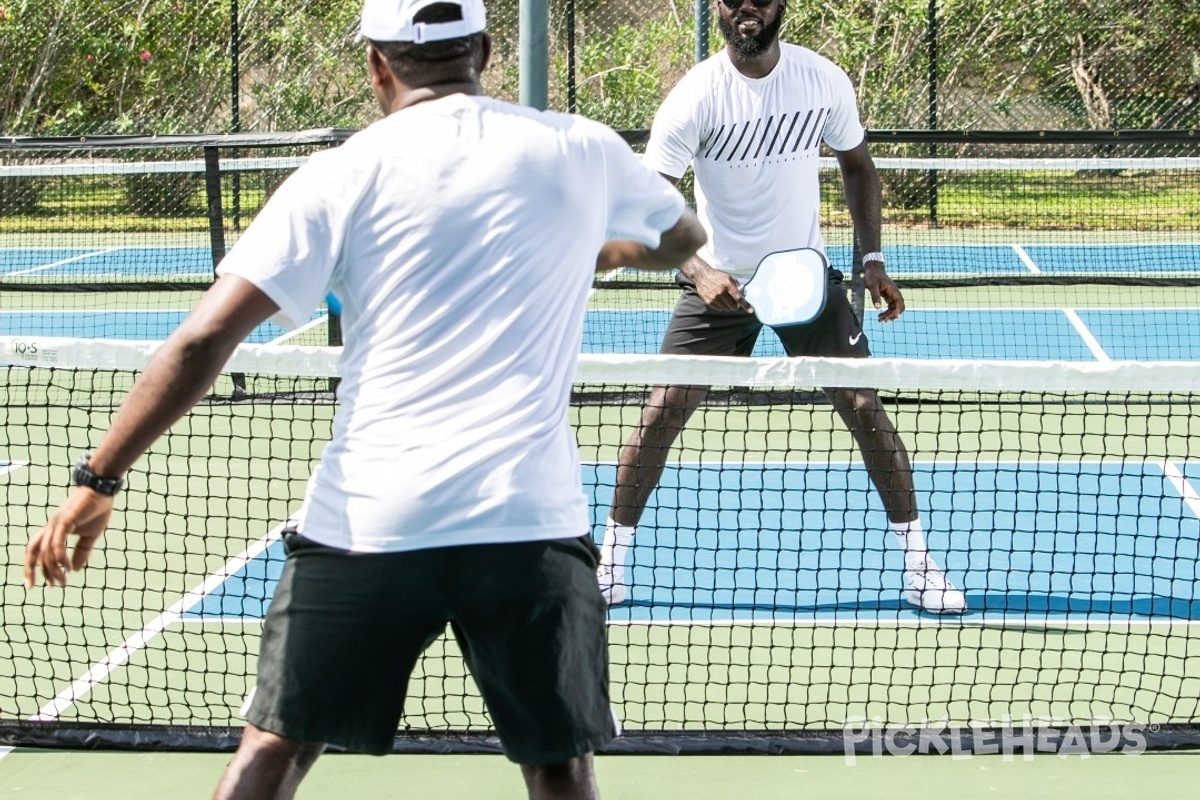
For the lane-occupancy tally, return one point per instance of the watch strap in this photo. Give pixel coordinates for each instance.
(84, 475)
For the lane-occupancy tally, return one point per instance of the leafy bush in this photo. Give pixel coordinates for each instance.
(624, 75)
(20, 195)
(162, 194)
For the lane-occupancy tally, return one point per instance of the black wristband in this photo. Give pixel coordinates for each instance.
(84, 475)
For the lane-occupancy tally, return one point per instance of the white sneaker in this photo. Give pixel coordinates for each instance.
(928, 588)
(612, 583)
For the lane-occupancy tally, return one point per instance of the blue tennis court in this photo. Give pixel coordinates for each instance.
(957, 260)
(1083, 541)
(142, 325)
(112, 263)
(1086, 334)
(903, 260)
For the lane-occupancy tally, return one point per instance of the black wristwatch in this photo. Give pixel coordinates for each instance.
(84, 475)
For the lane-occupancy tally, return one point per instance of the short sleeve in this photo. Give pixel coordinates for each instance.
(290, 250)
(641, 203)
(843, 129)
(674, 134)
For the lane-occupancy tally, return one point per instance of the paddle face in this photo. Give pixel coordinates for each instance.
(788, 288)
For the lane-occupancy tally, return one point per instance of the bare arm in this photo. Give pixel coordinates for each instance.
(716, 289)
(178, 375)
(864, 199)
(676, 246)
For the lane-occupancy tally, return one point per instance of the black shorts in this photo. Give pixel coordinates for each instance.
(344, 632)
(695, 329)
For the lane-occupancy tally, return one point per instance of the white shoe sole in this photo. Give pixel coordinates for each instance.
(951, 602)
(614, 594)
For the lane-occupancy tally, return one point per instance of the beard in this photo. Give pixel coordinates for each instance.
(750, 46)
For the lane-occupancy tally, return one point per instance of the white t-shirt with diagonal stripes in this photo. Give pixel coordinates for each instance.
(461, 236)
(754, 145)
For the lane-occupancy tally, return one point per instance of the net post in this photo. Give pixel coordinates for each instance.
(212, 191)
(216, 228)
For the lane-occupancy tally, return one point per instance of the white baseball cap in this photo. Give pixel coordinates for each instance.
(392, 21)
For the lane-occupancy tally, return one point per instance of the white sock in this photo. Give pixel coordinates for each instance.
(617, 541)
(912, 538)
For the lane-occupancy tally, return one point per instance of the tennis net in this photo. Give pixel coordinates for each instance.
(765, 609)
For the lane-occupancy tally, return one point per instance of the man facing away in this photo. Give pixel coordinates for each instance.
(750, 121)
(461, 235)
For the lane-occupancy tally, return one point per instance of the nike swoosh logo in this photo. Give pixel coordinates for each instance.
(854, 339)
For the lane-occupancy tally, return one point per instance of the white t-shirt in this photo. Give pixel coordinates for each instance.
(461, 237)
(754, 145)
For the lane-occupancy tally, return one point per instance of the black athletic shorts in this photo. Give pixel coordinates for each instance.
(345, 630)
(695, 329)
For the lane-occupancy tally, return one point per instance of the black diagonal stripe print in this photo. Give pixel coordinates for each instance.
(713, 139)
(803, 128)
(742, 141)
(775, 138)
(750, 143)
(818, 127)
(728, 136)
(787, 138)
(763, 140)
(741, 138)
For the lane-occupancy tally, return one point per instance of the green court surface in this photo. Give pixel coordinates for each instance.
(30, 774)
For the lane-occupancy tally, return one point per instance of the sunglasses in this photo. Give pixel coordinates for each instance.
(733, 5)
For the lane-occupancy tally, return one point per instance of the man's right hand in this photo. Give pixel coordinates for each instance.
(85, 514)
(718, 290)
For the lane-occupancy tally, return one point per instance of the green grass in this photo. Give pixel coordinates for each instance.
(1048, 201)
(154, 203)
(1152, 202)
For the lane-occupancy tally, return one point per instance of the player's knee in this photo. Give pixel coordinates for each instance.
(570, 778)
(660, 420)
(854, 401)
(262, 744)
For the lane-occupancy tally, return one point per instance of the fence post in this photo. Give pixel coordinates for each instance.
(702, 16)
(572, 100)
(931, 177)
(534, 46)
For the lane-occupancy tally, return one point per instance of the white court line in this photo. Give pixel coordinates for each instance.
(294, 333)
(1023, 621)
(1092, 344)
(66, 312)
(1026, 260)
(5, 751)
(946, 462)
(10, 466)
(122, 653)
(44, 267)
(1191, 497)
(608, 276)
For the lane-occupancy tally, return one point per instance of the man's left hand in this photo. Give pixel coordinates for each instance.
(883, 290)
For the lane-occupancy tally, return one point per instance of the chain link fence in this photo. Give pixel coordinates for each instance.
(218, 66)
